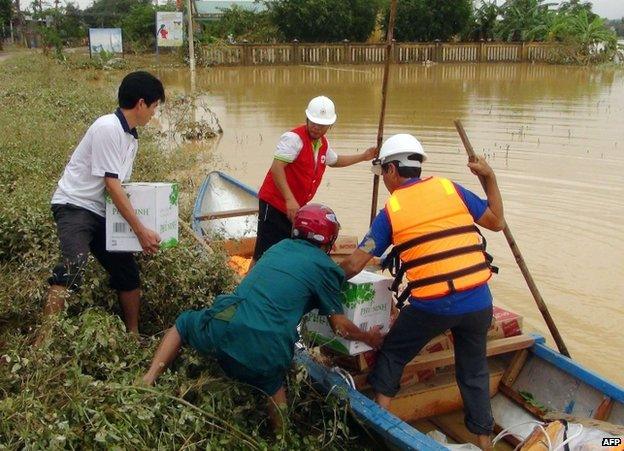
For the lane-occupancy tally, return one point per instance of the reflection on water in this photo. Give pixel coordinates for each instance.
(554, 135)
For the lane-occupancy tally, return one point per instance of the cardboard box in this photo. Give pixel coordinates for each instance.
(367, 301)
(360, 365)
(504, 324)
(365, 361)
(344, 245)
(156, 205)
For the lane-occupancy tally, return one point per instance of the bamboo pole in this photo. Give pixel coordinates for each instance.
(384, 92)
(515, 250)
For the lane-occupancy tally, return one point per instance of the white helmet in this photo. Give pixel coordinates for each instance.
(403, 148)
(321, 111)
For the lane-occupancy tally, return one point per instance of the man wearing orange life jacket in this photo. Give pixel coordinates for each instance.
(437, 247)
(298, 166)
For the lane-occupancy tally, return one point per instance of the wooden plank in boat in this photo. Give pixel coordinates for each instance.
(438, 396)
(519, 400)
(514, 368)
(603, 411)
(444, 358)
(243, 247)
(228, 214)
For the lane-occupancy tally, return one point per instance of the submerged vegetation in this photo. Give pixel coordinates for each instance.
(78, 390)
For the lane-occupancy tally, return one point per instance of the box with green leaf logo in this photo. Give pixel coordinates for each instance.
(367, 302)
(155, 204)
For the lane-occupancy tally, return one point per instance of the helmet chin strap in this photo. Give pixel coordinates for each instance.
(330, 245)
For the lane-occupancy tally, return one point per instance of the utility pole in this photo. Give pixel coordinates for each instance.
(190, 37)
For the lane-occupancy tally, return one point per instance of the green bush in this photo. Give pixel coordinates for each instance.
(77, 390)
(241, 24)
(428, 20)
(325, 20)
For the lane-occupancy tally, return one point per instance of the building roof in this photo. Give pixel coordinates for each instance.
(214, 8)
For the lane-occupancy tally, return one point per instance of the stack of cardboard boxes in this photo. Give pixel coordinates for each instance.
(368, 303)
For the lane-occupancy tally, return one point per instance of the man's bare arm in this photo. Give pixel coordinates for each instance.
(355, 263)
(343, 327)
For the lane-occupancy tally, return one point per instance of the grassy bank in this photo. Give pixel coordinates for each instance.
(77, 390)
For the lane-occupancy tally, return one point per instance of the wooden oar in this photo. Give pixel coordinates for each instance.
(515, 250)
(384, 91)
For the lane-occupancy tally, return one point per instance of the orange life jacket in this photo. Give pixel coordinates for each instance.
(436, 243)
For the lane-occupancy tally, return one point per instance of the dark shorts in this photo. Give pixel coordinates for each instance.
(81, 231)
(200, 330)
(273, 227)
(413, 329)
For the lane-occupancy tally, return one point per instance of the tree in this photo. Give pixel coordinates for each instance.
(242, 24)
(139, 25)
(428, 20)
(576, 6)
(587, 33)
(617, 25)
(485, 21)
(6, 14)
(70, 24)
(110, 13)
(325, 20)
(525, 20)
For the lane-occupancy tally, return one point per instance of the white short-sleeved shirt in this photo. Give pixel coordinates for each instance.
(289, 146)
(107, 149)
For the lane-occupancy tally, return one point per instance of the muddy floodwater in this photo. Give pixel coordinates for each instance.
(554, 135)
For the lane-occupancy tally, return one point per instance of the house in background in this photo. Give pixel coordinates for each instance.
(212, 9)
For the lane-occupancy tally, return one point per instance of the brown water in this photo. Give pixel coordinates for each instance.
(554, 135)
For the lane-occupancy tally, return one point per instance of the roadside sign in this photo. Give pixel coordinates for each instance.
(169, 29)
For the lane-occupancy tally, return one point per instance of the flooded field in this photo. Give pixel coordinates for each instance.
(554, 135)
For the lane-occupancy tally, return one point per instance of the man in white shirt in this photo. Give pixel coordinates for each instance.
(102, 161)
(296, 173)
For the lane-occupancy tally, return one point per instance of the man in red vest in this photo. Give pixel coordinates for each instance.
(430, 222)
(296, 173)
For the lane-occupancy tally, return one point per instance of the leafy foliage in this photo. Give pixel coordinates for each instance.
(586, 34)
(617, 25)
(325, 20)
(428, 20)
(240, 24)
(525, 20)
(6, 14)
(77, 390)
(485, 21)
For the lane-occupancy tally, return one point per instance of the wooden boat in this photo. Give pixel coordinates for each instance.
(529, 382)
(226, 210)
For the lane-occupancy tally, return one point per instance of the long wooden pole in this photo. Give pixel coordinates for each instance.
(515, 250)
(384, 91)
(191, 37)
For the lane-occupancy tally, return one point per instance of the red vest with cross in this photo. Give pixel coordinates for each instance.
(303, 175)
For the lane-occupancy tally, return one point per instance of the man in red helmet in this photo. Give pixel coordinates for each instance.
(253, 331)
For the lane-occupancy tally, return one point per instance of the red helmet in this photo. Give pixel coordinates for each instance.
(316, 223)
